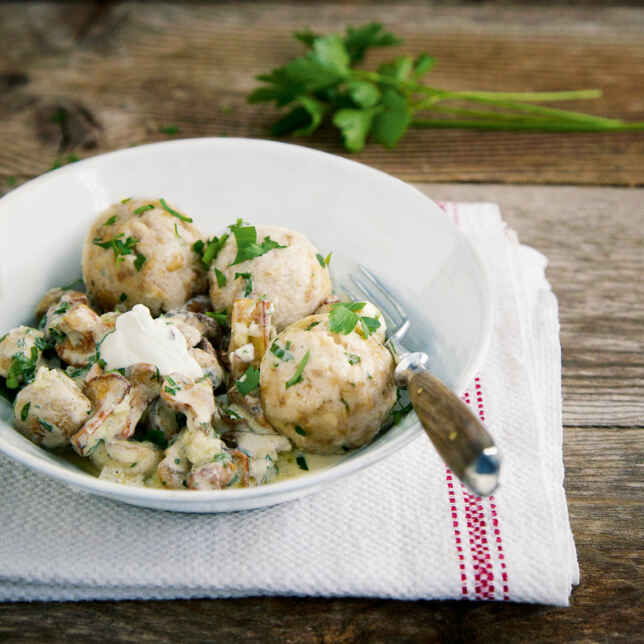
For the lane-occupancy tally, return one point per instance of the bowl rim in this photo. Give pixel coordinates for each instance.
(369, 455)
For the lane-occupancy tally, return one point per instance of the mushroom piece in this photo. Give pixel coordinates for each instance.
(20, 355)
(195, 446)
(79, 325)
(110, 395)
(50, 409)
(194, 326)
(262, 450)
(52, 297)
(160, 417)
(251, 332)
(249, 406)
(227, 469)
(205, 354)
(194, 399)
(128, 462)
(146, 386)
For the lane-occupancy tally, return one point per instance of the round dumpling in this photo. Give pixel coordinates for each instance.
(292, 279)
(138, 252)
(327, 392)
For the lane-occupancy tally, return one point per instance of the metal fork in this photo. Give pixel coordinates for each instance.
(458, 436)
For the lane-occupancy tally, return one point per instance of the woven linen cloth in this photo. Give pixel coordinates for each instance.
(404, 528)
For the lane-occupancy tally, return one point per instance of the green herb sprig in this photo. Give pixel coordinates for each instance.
(324, 85)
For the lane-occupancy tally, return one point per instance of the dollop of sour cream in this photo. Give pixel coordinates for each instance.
(138, 337)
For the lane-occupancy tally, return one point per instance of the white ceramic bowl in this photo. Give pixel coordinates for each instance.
(345, 207)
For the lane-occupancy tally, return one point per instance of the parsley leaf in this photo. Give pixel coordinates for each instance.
(173, 212)
(248, 382)
(301, 462)
(355, 126)
(359, 39)
(24, 412)
(299, 430)
(220, 318)
(209, 250)
(141, 209)
(249, 282)
(247, 246)
(392, 122)
(310, 326)
(369, 325)
(45, 425)
(281, 353)
(343, 317)
(221, 278)
(118, 246)
(122, 297)
(297, 376)
(22, 369)
(111, 221)
(139, 261)
(320, 260)
(353, 358)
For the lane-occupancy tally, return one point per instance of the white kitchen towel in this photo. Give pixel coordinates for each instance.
(403, 528)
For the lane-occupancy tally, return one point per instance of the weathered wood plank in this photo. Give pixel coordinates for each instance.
(135, 68)
(594, 241)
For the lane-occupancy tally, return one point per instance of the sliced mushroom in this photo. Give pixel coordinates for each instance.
(194, 399)
(206, 356)
(55, 295)
(110, 395)
(79, 325)
(82, 375)
(138, 457)
(251, 324)
(193, 447)
(194, 326)
(227, 469)
(146, 386)
(21, 343)
(50, 409)
(160, 417)
(250, 407)
(198, 304)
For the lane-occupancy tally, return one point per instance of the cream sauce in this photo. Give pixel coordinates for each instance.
(140, 338)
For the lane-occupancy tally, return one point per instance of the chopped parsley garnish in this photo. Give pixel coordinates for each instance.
(126, 200)
(122, 297)
(169, 129)
(173, 212)
(157, 375)
(24, 412)
(221, 317)
(209, 251)
(343, 318)
(401, 407)
(141, 209)
(231, 413)
(111, 221)
(369, 325)
(345, 403)
(118, 246)
(22, 369)
(139, 261)
(247, 246)
(301, 461)
(297, 376)
(249, 282)
(3, 337)
(170, 390)
(279, 352)
(56, 336)
(248, 382)
(320, 260)
(63, 308)
(308, 328)
(353, 358)
(176, 231)
(299, 430)
(327, 259)
(45, 425)
(221, 278)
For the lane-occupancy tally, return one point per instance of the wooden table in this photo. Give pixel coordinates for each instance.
(121, 72)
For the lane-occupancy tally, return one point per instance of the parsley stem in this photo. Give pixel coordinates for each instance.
(534, 125)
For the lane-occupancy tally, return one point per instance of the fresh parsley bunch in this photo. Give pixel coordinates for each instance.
(324, 85)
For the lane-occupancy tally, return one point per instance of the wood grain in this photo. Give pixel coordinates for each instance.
(134, 68)
(120, 71)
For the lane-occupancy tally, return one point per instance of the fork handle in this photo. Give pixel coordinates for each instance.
(459, 437)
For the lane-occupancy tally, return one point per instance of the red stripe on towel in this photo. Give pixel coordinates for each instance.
(457, 531)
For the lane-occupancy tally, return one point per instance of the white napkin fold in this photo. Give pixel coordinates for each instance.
(403, 528)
